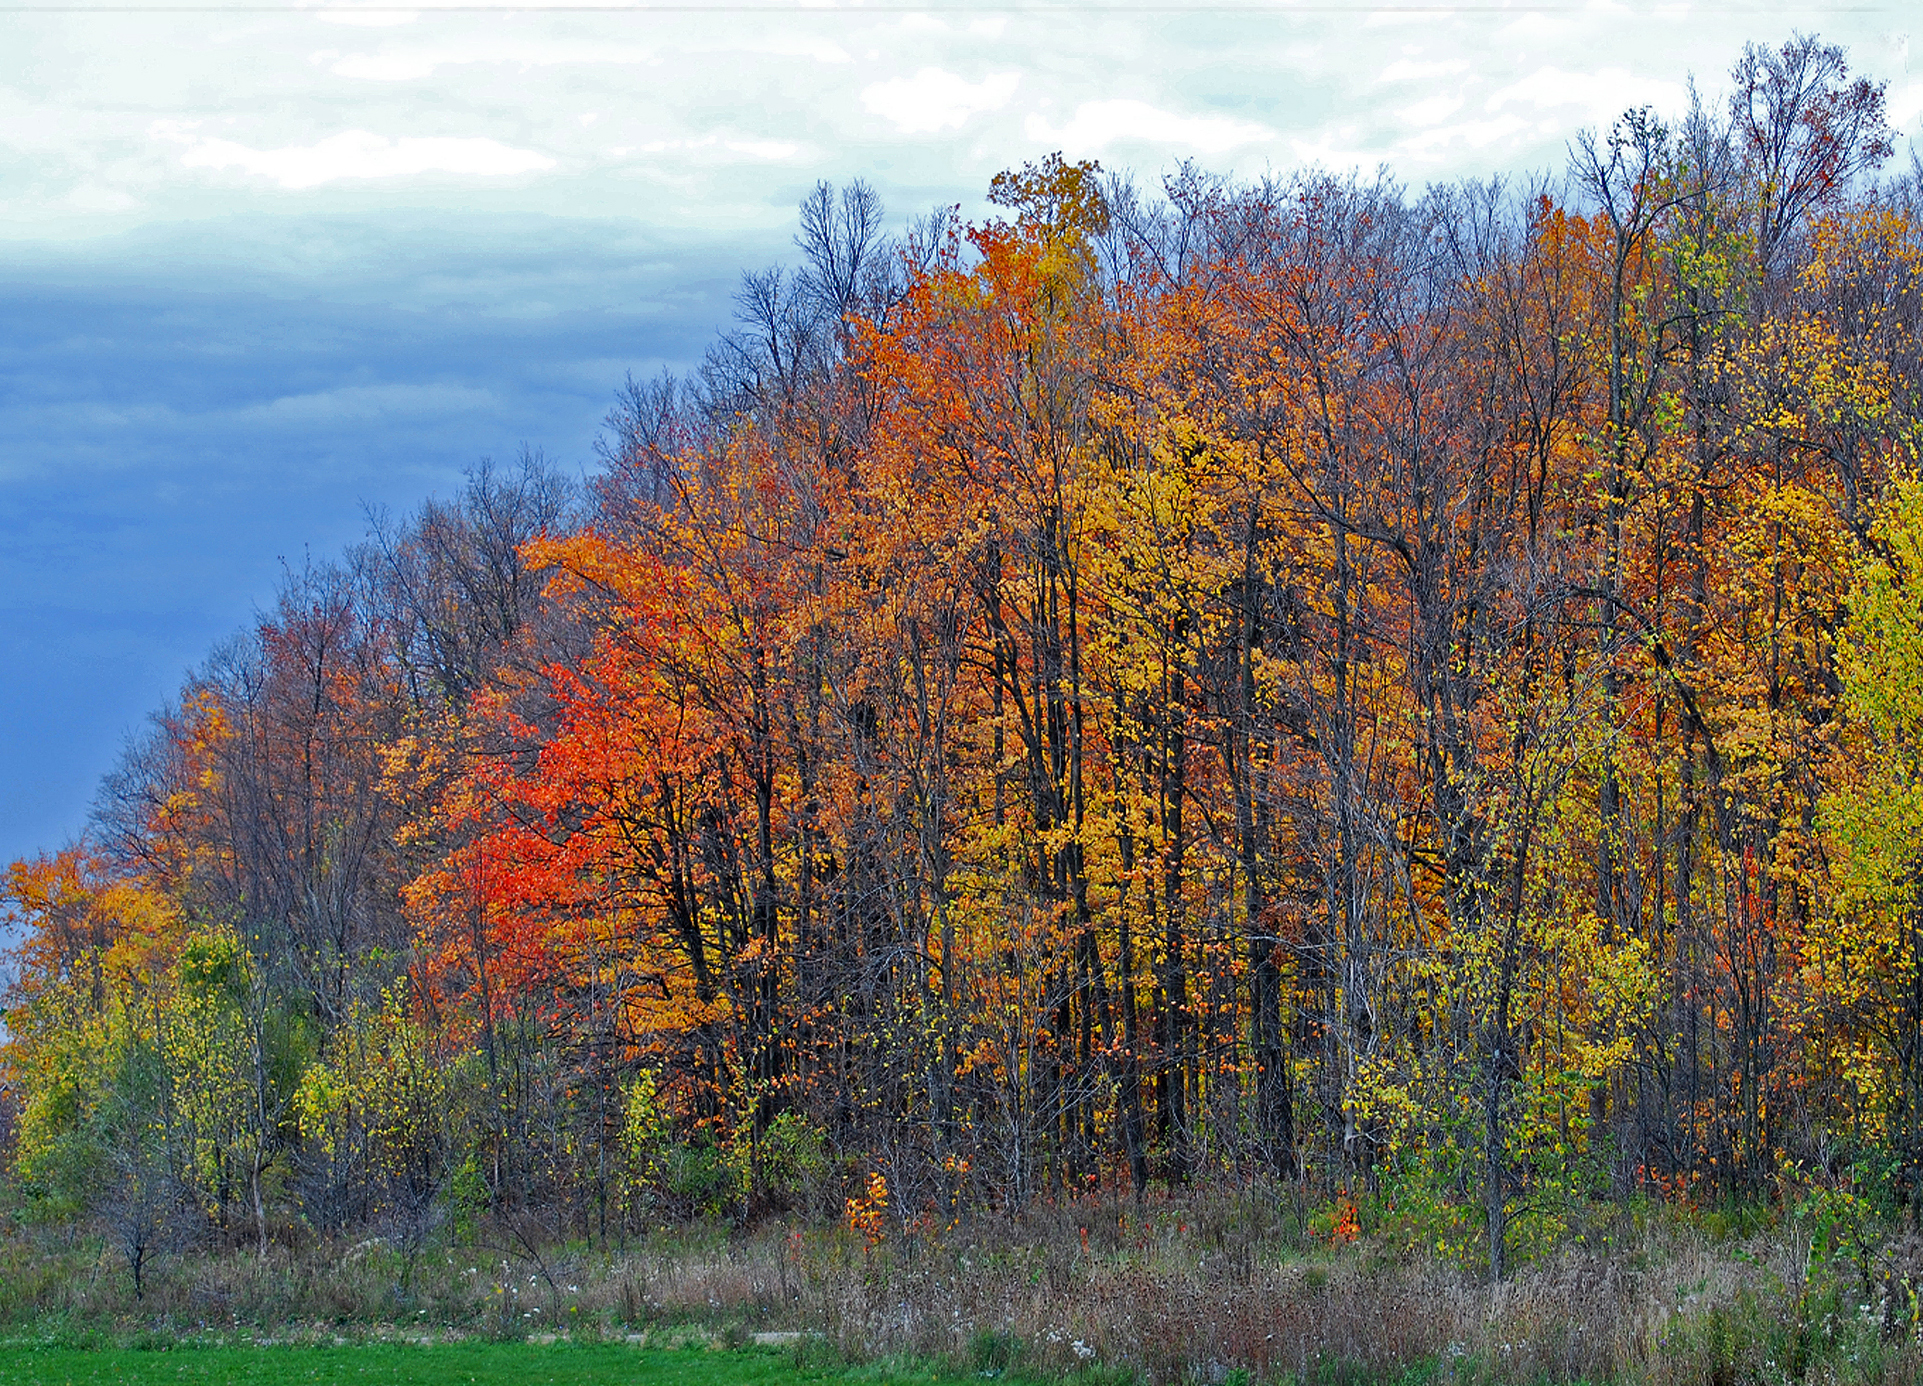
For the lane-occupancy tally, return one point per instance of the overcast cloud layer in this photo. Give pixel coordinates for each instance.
(259, 267)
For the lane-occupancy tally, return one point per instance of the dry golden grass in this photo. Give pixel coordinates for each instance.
(1220, 1288)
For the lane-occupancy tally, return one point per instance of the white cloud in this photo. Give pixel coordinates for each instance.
(366, 403)
(1475, 134)
(1431, 112)
(1409, 70)
(934, 100)
(92, 197)
(412, 65)
(821, 50)
(1603, 95)
(365, 19)
(772, 150)
(1338, 147)
(1906, 103)
(355, 154)
(387, 67)
(767, 151)
(1098, 124)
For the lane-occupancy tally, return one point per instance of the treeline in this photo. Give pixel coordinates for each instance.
(1285, 680)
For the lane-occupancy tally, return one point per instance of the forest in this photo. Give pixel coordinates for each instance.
(1293, 683)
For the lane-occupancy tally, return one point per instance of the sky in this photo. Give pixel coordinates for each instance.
(265, 266)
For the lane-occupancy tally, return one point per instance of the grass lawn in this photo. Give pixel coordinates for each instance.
(393, 1364)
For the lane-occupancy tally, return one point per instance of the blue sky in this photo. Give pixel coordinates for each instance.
(262, 266)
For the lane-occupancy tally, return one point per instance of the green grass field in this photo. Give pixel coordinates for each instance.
(394, 1364)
